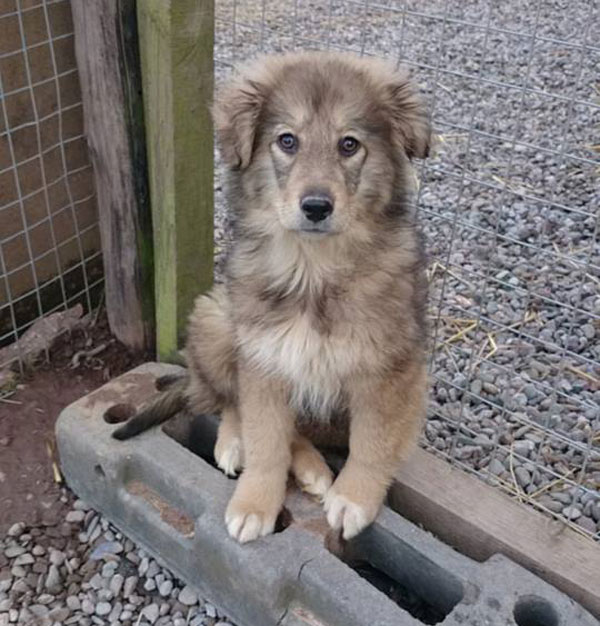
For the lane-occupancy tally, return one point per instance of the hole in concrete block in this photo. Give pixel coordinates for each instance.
(197, 433)
(405, 575)
(99, 471)
(535, 611)
(284, 519)
(118, 413)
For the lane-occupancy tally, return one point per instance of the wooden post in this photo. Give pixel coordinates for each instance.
(176, 45)
(108, 64)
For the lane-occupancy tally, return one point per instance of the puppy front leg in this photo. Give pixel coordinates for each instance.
(386, 415)
(267, 431)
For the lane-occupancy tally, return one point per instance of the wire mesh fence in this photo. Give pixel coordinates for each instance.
(50, 257)
(509, 205)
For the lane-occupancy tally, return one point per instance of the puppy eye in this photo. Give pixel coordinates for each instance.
(348, 146)
(288, 142)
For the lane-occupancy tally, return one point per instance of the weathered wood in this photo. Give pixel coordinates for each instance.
(480, 521)
(108, 64)
(176, 45)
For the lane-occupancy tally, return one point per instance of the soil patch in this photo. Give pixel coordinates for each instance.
(80, 361)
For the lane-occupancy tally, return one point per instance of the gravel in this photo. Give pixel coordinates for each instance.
(49, 576)
(515, 281)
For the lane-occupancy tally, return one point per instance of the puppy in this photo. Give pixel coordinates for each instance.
(323, 310)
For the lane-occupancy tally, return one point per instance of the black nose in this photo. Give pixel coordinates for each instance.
(316, 207)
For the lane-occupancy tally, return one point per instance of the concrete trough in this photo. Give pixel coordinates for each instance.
(163, 490)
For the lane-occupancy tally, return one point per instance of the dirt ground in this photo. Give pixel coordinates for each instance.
(28, 490)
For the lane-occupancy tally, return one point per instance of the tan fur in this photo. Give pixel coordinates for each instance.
(313, 324)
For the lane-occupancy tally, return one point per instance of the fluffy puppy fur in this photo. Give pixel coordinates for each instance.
(323, 309)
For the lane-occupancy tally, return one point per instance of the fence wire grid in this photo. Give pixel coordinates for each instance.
(50, 257)
(509, 205)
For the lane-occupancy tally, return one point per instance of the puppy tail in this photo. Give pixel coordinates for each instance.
(173, 399)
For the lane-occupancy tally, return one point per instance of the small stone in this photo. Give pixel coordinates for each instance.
(496, 467)
(188, 596)
(210, 610)
(165, 589)
(151, 612)
(150, 585)
(20, 586)
(38, 550)
(130, 585)
(73, 603)
(57, 557)
(125, 615)
(103, 608)
(108, 569)
(571, 512)
(75, 517)
(53, 579)
(143, 568)
(14, 551)
(16, 530)
(116, 583)
(589, 331)
(523, 476)
(561, 496)
(39, 610)
(152, 570)
(87, 606)
(587, 524)
(115, 612)
(24, 559)
(106, 550)
(96, 581)
(45, 598)
(523, 447)
(59, 614)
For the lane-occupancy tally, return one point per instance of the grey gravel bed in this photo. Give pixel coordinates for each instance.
(515, 279)
(85, 572)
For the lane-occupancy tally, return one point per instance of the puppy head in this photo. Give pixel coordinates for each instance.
(320, 141)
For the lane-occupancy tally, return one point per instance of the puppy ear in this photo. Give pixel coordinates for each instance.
(410, 120)
(235, 112)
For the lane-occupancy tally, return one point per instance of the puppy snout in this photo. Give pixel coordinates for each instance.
(316, 207)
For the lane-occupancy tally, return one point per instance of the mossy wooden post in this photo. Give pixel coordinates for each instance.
(176, 46)
(109, 73)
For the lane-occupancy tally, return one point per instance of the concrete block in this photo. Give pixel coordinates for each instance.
(161, 489)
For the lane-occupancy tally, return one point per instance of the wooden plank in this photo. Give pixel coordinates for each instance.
(176, 44)
(480, 521)
(105, 44)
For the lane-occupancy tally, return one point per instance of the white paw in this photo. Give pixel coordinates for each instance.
(229, 458)
(246, 527)
(314, 483)
(345, 514)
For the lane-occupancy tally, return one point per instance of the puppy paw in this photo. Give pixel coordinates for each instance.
(315, 483)
(248, 525)
(255, 505)
(344, 514)
(309, 468)
(229, 456)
